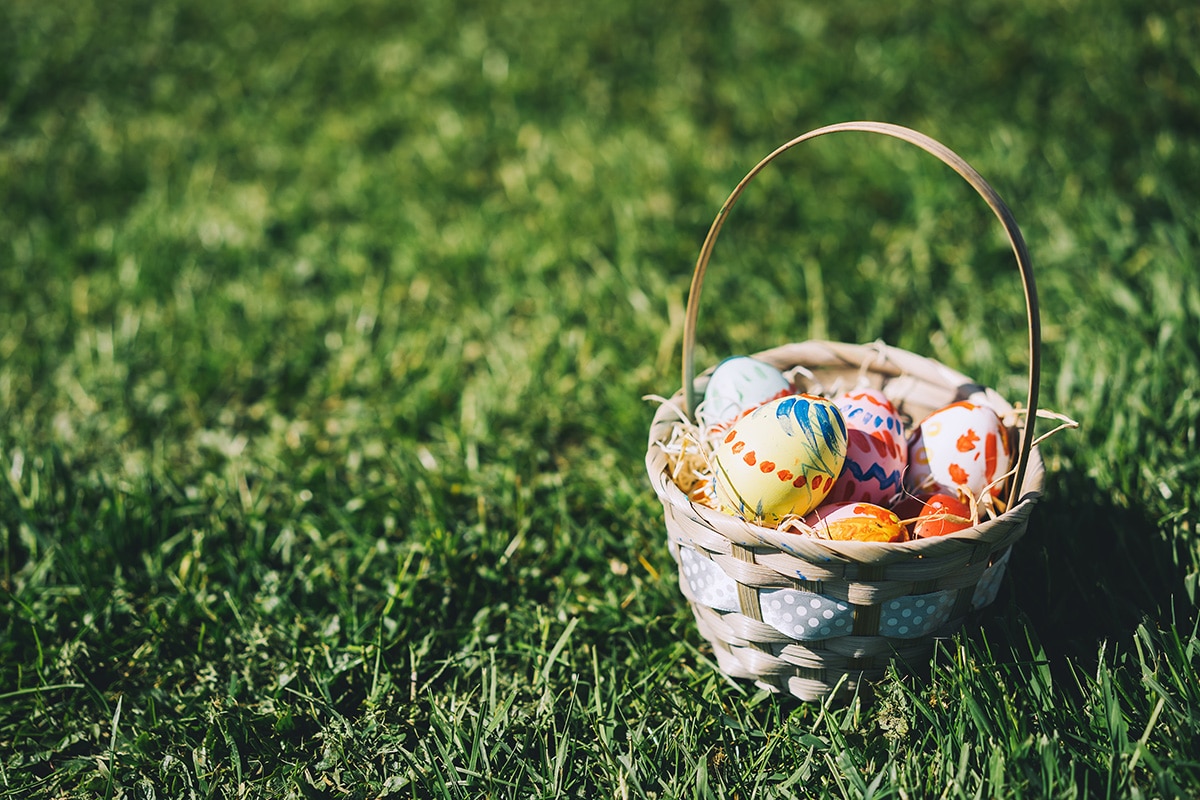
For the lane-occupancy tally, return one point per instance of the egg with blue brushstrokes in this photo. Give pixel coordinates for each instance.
(876, 449)
(781, 459)
(961, 450)
(861, 522)
(738, 385)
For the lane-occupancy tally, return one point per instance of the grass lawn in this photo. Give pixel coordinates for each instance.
(324, 333)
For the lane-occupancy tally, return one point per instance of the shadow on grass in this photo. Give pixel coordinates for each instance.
(1088, 570)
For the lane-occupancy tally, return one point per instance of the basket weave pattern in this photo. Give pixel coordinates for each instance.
(870, 578)
(811, 616)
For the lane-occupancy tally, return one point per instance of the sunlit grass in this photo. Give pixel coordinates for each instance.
(324, 330)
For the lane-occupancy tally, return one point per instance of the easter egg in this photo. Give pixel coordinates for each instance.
(876, 449)
(959, 449)
(738, 385)
(781, 459)
(938, 517)
(863, 522)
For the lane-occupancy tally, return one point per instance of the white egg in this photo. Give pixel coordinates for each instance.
(738, 385)
(961, 449)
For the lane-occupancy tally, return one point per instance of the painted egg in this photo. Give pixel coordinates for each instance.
(960, 449)
(876, 449)
(780, 459)
(941, 514)
(738, 385)
(863, 522)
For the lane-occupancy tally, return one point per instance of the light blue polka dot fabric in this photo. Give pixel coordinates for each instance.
(989, 583)
(916, 615)
(807, 616)
(804, 615)
(709, 584)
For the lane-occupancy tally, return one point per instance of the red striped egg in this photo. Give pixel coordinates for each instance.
(876, 449)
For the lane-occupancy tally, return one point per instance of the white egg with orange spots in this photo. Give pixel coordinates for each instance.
(876, 448)
(780, 459)
(960, 449)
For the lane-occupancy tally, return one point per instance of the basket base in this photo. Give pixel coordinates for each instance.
(814, 674)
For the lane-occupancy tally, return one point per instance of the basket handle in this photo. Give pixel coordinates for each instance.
(968, 173)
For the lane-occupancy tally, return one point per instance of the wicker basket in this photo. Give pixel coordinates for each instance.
(815, 617)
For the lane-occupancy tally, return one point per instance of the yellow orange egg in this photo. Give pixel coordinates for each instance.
(863, 522)
(781, 459)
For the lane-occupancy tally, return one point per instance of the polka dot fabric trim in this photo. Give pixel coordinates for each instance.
(709, 584)
(807, 616)
(804, 615)
(916, 615)
(801, 615)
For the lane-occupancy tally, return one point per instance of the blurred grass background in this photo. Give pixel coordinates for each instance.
(324, 329)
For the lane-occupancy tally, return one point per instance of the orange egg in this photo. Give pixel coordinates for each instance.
(937, 517)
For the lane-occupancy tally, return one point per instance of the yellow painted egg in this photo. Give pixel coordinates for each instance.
(862, 522)
(961, 450)
(781, 459)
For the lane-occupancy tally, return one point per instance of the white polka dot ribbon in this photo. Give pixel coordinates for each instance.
(807, 616)
(915, 616)
(804, 615)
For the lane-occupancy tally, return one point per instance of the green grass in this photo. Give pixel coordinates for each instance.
(324, 329)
